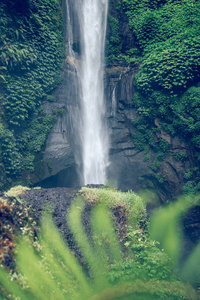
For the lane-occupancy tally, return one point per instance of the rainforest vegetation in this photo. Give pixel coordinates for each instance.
(167, 46)
(31, 53)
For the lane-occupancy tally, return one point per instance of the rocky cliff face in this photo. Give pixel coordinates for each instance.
(62, 149)
(126, 162)
(62, 153)
(127, 168)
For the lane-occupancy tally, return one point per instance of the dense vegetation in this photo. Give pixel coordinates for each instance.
(117, 258)
(31, 52)
(167, 44)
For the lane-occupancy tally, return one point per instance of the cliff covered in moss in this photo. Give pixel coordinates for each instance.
(162, 39)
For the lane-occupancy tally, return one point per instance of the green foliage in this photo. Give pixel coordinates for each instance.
(112, 198)
(166, 34)
(114, 49)
(18, 151)
(113, 42)
(146, 27)
(33, 138)
(144, 137)
(188, 174)
(134, 6)
(16, 218)
(192, 185)
(176, 115)
(186, 112)
(52, 271)
(10, 155)
(157, 21)
(31, 47)
(166, 228)
(143, 133)
(181, 156)
(171, 66)
(19, 5)
(148, 261)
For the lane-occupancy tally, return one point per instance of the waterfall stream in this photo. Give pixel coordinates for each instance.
(93, 21)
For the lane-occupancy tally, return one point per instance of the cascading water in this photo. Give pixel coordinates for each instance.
(93, 21)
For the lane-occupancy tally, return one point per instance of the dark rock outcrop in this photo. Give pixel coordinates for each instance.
(191, 229)
(56, 200)
(61, 148)
(126, 162)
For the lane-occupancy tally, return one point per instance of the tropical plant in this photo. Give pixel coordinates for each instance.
(101, 271)
(166, 227)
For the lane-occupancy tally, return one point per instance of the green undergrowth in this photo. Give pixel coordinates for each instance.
(49, 269)
(31, 47)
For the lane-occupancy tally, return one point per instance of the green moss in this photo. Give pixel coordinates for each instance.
(112, 198)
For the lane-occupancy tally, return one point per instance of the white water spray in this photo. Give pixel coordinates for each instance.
(93, 21)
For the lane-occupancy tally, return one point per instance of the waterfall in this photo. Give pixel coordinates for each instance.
(114, 102)
(93, 21)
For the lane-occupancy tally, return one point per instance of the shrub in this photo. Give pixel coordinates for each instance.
(113, 42)
(171, 66)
